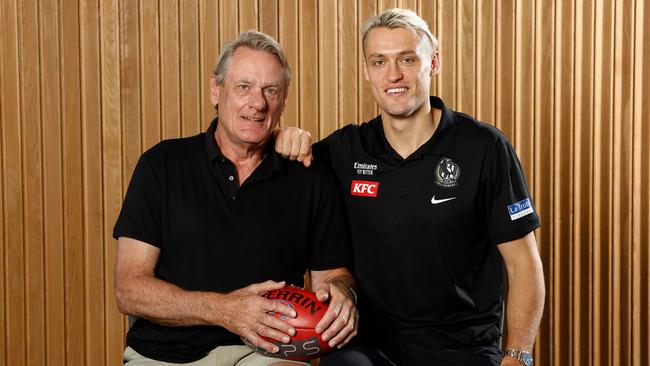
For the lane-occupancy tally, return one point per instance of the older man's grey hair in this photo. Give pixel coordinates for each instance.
(257, 41)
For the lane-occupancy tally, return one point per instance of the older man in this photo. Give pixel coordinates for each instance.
(200, 235)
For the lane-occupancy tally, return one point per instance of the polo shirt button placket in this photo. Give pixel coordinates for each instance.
(400, 189)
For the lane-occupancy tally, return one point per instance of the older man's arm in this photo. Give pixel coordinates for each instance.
(242, 312)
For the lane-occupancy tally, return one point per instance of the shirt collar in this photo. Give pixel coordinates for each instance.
(438, 144)
(273, 160)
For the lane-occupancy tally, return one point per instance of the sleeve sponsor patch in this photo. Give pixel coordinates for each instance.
(520, 209)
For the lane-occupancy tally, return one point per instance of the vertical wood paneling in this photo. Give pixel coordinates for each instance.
(602, 187)
(289, 39)
(623, 66)
(112, 168)
(130, 90)
(88, 85)
(642, 33)
(466, 56)
(348, 64)
(562, 205)
(583, 160)
(72, 208)
(446, 33)
(13, 286)
(485, 65)
(427, 9)
(327, 68)
(506, 68)
(248, 15)
(308, 64)
(367, 105)
(542, 173)
(209, 49)
(190, 70)
(91, 121)
(638, 296)
(170, 69)
(228, 21)
(9, 111)
(150, 73)
(53, 179)
(33, 190)
(269, 18)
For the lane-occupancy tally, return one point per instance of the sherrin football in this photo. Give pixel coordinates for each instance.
(306, 344)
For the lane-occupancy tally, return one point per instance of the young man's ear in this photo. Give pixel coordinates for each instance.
(214, 90)
(435, 63)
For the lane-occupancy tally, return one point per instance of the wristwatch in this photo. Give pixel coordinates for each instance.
(524, 357)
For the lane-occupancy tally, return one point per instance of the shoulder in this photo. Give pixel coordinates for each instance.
(175, 149)
(473, 131)
(317, 172)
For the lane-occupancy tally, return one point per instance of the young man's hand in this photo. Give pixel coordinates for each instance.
(294, 143)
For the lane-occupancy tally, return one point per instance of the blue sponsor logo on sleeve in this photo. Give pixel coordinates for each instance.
(520, 209)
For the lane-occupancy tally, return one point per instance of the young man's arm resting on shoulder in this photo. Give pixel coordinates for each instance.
(294, 143)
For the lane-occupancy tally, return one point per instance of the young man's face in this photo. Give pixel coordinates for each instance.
(399, 66)
(252, 97)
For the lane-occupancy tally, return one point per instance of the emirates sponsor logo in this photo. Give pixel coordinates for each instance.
(365, 168)
(364, 188)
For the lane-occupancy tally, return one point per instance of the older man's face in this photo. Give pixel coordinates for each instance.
(252, 97)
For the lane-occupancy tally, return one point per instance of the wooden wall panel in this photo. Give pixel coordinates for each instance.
(92, 196)
(86, 86)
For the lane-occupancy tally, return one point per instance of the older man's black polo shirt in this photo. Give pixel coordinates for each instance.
(217, 236)
(425, 230)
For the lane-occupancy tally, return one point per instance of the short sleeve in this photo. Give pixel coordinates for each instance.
(331, 247)
(140, 216)
(321, 150)
(510, 212)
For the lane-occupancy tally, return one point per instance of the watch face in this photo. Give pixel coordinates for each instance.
(527, 359)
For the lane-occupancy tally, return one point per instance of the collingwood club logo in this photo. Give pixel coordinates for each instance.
(447, 173)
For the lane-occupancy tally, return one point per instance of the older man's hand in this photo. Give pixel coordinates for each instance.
(247, 314)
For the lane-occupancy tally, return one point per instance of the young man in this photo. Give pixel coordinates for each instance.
(200, 236)
(437, 203)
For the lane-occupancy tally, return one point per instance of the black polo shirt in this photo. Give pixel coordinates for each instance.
(215, 236)
(425, 230)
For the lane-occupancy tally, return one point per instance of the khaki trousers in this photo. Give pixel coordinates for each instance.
(220, 356)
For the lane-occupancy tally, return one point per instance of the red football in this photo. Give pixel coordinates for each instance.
(306, 344)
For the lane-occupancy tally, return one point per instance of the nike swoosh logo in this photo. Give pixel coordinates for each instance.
(435, 201)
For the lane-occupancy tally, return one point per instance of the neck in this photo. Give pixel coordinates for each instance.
(406, 135)
(245, 157)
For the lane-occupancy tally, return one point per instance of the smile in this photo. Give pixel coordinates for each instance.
(396, 90)
(254, 119)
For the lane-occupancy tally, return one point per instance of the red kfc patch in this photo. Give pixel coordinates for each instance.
(364, 188)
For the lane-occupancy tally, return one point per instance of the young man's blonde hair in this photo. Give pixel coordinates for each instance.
(399, 18)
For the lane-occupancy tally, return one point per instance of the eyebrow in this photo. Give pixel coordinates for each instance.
(248, 81)
(402, 53)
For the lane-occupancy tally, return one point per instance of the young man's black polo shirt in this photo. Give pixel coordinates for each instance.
(425, 229)
(215, 236)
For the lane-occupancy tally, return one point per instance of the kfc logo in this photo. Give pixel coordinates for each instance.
(364, 188)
